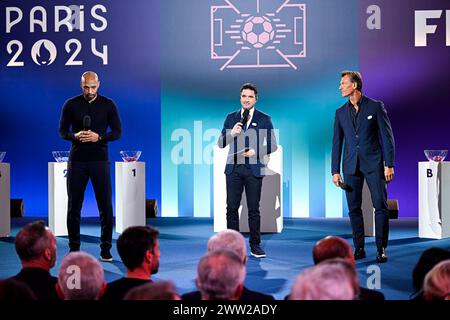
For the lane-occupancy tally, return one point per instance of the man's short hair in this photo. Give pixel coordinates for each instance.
(250, 86)
(333, 279)
(134, 242)
(331, 247)
(81, 277)
(32, 240)
(219, 274)
(437, 282)
(228, 240)
(159, 290)
(355, 76)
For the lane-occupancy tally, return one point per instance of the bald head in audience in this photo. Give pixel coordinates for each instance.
(230, 240)
(220, 276)
(333, 279)
(80, 277)
(332, 247)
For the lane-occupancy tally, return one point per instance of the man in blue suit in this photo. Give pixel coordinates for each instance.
(369, 154)
(250, 135)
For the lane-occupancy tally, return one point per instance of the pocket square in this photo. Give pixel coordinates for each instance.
(254, 124)
(369, 117)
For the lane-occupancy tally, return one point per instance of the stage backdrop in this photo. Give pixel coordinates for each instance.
(175, 68)
(120, 42)
(209, 50)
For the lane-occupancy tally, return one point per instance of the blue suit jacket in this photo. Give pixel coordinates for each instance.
(261, 138)
(372, 142)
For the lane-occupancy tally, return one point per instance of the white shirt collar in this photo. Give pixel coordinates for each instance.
(250, 115)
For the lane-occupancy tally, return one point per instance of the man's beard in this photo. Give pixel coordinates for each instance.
(155, 268)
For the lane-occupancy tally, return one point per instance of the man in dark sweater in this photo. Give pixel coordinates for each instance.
(36, 248)
(84, 121)
(138, 248)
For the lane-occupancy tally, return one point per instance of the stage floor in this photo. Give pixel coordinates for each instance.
(183, 242)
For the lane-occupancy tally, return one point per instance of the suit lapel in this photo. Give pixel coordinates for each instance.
(255, 119)
(349, 116)
(363, 115)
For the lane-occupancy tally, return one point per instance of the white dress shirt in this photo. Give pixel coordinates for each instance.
(250, 116)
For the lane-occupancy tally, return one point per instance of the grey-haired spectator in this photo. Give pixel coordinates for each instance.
(333, 279)
(36, 247)
(220, 276)
(233, 241)
(80, 277)
(332, 247)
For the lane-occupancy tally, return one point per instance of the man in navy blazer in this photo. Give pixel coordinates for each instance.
(249, 132)
(369, 153)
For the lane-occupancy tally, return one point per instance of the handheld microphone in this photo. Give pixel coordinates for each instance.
(87, 122)
(344, 186)
(244, 118)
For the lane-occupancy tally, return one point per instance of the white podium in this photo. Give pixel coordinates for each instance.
(5, 200)
(130, 195)
(271, 203)
(57, 198)
(434, 200)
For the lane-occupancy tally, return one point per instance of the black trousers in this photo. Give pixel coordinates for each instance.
(377, 186)
(78, 175)
(242, 177)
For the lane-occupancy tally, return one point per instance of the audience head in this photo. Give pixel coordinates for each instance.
(332, 247)
(220, 276)
(36, 246)
(80, 277)
(230, 240)
(160, 290)
(333, 279)
(138, 247)
(437, 282)
(14, 290)
(427, 261)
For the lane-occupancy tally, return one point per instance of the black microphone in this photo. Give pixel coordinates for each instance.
(245, 117)
(87, 123)
(344, 186)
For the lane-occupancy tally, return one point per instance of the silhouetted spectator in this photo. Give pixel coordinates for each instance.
(15, 291)
(426, 262)
(160, 290)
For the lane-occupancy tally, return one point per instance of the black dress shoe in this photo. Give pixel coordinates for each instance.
(360, 253)
(106, 256)
(256, 251)
(381, 255)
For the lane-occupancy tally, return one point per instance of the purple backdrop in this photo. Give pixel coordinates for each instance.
(413, 82)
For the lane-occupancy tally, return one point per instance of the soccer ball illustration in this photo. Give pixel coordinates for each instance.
(258, 31)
